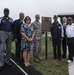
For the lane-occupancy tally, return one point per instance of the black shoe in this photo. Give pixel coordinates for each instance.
(55, 58)
(1, 67)
(8, 64)
(22, 60)
(63, 56)
(59, 59)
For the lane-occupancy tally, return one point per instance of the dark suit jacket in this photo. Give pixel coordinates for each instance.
(17, 26)
(56, 30)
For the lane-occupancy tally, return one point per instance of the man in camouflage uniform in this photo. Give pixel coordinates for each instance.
(38, 35)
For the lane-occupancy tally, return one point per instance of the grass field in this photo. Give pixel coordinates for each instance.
(49, 66)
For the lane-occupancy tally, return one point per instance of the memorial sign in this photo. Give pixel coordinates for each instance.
(46, 24)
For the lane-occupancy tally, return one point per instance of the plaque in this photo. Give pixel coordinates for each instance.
(46, 24)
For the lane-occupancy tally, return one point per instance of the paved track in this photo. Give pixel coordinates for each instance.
(19, 69)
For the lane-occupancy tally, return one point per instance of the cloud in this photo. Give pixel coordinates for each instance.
(32, 7)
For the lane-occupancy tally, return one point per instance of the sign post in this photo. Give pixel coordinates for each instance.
(46, 45)
(46, 26)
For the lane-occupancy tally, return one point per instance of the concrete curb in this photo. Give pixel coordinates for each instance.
(71, 68)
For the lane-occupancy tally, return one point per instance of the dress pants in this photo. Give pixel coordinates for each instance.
(56, 48)
(70, 48)
(64, 47)
(18, 54)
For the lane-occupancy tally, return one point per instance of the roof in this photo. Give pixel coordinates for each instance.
(66, 15)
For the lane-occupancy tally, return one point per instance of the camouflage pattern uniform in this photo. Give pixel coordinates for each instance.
(38, 36)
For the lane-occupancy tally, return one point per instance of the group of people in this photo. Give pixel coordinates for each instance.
(63, 33)
(27, 37)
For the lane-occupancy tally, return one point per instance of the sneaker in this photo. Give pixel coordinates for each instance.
(39, 58)
(36, 60)
(69, 61)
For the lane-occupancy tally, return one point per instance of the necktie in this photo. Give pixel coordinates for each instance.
(64, 28)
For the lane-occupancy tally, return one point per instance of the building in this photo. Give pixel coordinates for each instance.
(66, 15)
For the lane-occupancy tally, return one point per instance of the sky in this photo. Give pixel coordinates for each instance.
(47, 8)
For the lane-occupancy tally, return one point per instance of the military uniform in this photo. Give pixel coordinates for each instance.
(38, 36)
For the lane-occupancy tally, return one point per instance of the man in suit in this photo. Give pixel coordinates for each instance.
(64, 23)
(56, 30)
(17, 36)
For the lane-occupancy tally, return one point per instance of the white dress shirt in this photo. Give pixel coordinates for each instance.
(63, 25)
(62, 34)
(70, 31)
(22, 21)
